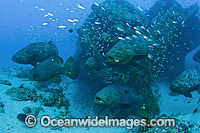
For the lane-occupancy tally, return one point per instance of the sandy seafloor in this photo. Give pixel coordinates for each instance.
(178, 106)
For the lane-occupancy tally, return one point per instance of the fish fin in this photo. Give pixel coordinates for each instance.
(33, 59)
(36, 75)
(195, 88)
(34, 63)
(198, 90)
(188, 94)
(56, 79)
(71, 68)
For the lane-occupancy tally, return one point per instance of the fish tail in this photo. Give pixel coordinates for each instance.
(71, 68)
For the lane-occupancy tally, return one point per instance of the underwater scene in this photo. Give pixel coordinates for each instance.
(100, 66)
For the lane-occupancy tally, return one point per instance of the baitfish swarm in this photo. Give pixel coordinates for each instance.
(120, 44)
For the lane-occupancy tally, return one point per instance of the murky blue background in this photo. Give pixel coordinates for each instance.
(21, 23)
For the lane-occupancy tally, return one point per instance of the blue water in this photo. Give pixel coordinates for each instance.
(21, 23)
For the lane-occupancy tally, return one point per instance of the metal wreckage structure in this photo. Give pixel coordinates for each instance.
(121, 44)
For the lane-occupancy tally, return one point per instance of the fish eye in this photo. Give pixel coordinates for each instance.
(35, 75)
(98, 99)
(107, 37)
(126, 91)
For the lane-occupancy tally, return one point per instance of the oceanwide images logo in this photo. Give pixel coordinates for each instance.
(30, 121)
(129, 124)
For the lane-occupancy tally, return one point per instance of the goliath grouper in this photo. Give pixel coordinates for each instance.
(186, 82)
(127, 50)
(52, 66)
(117, 96)
(35, 52)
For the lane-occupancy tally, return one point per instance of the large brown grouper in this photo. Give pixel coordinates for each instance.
(52, 67)
(186, 82)
(117, 96)
(127, 49)
(35, 52)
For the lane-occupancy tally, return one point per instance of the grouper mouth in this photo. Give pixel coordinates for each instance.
(171, 87)
(112, 60)
(174, 88)
(98, 100)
